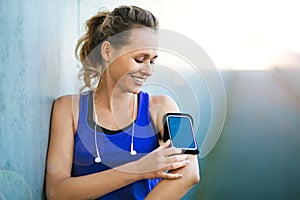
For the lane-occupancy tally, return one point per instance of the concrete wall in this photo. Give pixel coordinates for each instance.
(36, 65)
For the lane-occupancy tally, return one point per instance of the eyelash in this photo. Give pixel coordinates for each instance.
(138, 61)
(141, 61)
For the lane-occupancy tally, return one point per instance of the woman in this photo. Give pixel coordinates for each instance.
(106, 143)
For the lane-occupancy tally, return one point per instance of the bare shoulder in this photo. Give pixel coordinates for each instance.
(65, 103)
(67, 107)
(63, 100)
(66, 99)
(159, 106)
(163, 102)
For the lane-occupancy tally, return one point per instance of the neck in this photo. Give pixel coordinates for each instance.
(115, 110)
(111, 97)
(112, 101)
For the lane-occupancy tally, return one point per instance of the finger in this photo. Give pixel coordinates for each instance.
(176, 165)
(167, 143)
(166, 175)
(175, 158)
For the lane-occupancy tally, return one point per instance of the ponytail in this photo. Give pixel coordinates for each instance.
(93, 36)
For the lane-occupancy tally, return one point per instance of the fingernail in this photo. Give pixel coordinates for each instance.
(167, 142)
(180, 151)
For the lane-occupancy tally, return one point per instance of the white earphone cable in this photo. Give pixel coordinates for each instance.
(98, 158)
(132, 151)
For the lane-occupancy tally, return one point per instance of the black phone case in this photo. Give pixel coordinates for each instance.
(166, 135)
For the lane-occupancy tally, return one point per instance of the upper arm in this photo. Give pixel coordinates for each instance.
(61, 144)
(176, 188)
(159, 106)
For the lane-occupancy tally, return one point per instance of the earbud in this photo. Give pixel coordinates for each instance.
(132, 151)
(97, 159)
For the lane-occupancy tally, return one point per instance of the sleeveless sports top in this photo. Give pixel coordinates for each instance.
(114, 146)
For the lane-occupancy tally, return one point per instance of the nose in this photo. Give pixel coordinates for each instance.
(147, 69)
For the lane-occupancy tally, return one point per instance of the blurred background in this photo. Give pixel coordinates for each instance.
(254, 44)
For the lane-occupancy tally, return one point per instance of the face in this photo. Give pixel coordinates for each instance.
(130, 70)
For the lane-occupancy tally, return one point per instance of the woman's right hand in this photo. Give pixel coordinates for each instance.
(158, 163)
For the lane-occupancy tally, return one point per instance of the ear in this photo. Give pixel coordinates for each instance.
(106, 50)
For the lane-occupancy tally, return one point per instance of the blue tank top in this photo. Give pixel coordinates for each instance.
(114, 146)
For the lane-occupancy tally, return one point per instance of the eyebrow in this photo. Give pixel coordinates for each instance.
(145, 55)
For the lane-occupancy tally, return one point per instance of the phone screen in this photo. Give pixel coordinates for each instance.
(181, 132)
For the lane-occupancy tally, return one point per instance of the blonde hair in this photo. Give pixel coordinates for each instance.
(100, 28)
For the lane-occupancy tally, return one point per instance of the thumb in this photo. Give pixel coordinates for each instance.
(164, 145)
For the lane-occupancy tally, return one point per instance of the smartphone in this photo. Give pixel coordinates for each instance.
(178, 127)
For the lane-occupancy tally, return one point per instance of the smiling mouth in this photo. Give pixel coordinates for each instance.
(138, 80)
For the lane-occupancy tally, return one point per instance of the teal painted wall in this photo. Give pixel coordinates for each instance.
(36, 65)
(257, 155)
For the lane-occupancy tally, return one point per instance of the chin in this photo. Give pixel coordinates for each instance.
(136, 90)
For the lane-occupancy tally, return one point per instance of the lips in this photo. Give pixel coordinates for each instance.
(139, 80)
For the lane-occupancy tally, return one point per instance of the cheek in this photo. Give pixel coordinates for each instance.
(121, 68)
(127, 67)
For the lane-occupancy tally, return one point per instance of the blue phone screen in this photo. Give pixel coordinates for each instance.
(181, 132)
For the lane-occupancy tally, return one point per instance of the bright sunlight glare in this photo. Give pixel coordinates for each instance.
(241, 35)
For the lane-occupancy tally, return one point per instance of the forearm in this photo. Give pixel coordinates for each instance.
(177, 188)
(89, 186)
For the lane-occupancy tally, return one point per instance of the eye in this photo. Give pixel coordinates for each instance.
(139, 60)
(152, 61)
